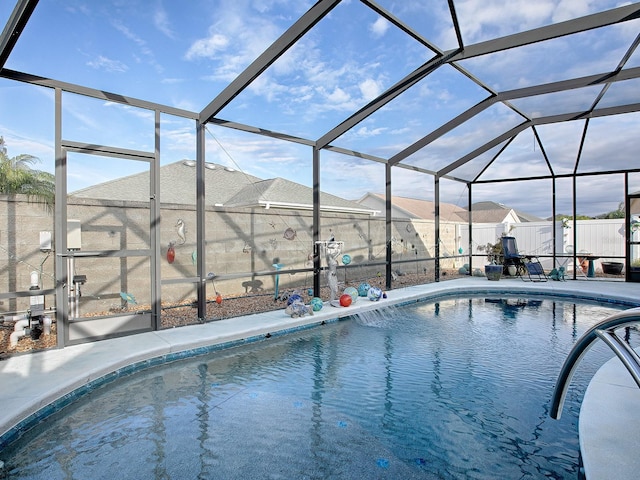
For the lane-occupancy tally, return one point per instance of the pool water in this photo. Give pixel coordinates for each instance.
(458, 389)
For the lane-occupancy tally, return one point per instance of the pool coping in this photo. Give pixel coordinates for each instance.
(38, 384)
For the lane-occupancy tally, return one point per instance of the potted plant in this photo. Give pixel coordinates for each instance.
(634, 271)
(495, 256)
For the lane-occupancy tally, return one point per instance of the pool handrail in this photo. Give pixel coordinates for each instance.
(605, 330)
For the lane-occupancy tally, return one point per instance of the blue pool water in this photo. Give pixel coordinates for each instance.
(458, 389)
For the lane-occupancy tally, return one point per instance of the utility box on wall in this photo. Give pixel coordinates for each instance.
(45, 241)
(74, 235)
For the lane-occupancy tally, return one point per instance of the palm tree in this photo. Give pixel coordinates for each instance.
(17, 177)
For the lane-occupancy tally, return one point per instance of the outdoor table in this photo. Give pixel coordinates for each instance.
(591, 271)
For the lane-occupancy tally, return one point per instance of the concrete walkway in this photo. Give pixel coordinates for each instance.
(31, 383)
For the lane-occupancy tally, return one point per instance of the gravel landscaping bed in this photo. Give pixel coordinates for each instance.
(230, 306)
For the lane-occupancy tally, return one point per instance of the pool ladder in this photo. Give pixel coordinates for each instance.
(605, 331)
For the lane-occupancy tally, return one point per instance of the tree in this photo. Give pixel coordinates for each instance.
(17, 177)
(619, 213)
(562, 216)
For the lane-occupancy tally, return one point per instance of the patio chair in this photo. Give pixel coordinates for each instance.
(528, 265)
(535, 270)
(512, 256)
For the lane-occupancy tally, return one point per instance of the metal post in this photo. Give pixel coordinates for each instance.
(470, 246)
(154, 233)
(200, 221)
(388, 224)
(436, 190)
(60, 229)
(316, 222)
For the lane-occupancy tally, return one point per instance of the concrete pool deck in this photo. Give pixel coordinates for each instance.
(31, 383)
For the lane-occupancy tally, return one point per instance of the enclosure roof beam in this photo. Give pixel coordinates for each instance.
(565, 117)
(598, 112)
(291, 138)
(379, 102)
(483, 148)
(261, 131)
(14, 27)
(549, 32)
(557, 176)
(401, 25)
(507, 95)
(268, 57)
(443, 129)
(107, 151)
(589, 22)
(416, 36)
(571, 84)
(456, 23)
(354, 153)
(94, 93)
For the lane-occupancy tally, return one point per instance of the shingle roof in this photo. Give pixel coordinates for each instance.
(282, 192)
(426, 209)
(223, 186)
(177, 185)
(496, 215)
(481, 209)
(404, 207)
(483, 212)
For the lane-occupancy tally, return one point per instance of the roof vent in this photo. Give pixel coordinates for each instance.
(210, 166)
(229, 169)
(189, 163)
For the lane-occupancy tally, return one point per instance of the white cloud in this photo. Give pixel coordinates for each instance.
(126, 31)
(370, 89)
(143, 47)
(568, 9)
(17, 144)
(235, 40)
(104, 63)
(370, 132)
(379, 27)
(133, 111)
(161, 21)
(338, 96)
(482, 19)
(207, 47)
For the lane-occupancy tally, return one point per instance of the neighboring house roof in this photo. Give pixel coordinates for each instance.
(177, 185)
(488, 206)
(377, 202)
(223, 187)
(282, 193)
(499, 215)
(403, 207)
(483, 212)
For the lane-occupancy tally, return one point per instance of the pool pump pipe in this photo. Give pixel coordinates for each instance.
(19, 330)
(34, 316)
(22, 328)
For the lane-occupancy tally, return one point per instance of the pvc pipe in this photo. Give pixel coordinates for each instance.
(15, 336)
(21, 324)
(19, 331)
(46, 325)
(15, 318)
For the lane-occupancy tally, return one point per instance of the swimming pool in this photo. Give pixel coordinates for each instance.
(452, 389)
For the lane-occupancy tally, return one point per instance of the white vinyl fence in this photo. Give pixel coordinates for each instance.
(601, 238)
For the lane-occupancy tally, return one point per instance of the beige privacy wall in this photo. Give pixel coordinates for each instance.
(241, 246)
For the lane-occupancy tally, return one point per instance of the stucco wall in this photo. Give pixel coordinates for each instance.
(238, 242)
(20, 225)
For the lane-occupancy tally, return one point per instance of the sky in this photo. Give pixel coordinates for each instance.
(184, 54)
